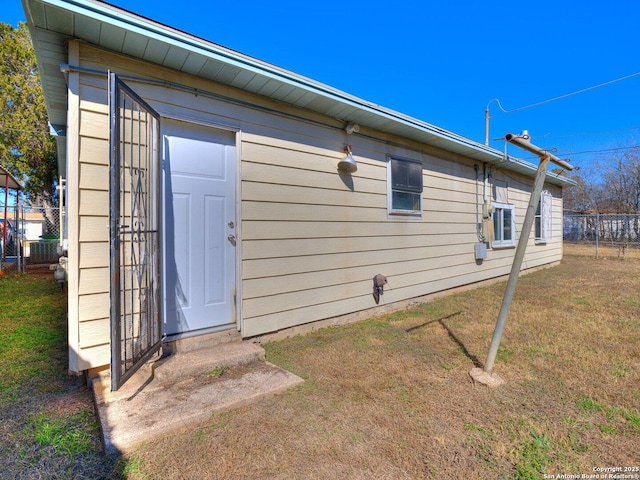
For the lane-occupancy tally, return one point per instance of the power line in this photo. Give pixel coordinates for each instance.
(586, 152)
(606, 150)
(562, 96)
(580, 134)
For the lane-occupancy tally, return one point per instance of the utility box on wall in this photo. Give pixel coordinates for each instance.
(480, 250)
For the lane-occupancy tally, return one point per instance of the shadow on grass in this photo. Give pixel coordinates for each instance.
(476, 362)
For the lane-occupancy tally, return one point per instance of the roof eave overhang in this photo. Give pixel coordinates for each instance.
(52, 22)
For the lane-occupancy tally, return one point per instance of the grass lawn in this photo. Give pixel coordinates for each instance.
(386, 398)
(48, 426)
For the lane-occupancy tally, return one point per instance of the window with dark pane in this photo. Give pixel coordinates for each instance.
(406, 185)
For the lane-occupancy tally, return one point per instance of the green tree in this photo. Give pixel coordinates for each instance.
(27, 149)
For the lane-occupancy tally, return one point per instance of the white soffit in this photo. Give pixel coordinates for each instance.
(52, 22)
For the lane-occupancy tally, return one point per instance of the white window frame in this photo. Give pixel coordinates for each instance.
(393, 210)
(543, 219)
(498, 216)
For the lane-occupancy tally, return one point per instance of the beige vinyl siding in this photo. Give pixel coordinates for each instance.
(311, 248)
(328, 247)
(72, 198)
(94, 254)
(310, 239)
(92, 222)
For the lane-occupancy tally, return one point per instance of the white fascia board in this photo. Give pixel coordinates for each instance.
(129, 21)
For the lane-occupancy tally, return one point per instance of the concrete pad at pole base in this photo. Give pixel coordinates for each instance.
(485, 378)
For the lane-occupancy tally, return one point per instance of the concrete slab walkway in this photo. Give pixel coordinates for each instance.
(183, 389)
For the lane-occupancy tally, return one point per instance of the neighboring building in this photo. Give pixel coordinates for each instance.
(32, 225)
(256, 230)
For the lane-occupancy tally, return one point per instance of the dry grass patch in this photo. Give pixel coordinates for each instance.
(391, 397)
(605, 249)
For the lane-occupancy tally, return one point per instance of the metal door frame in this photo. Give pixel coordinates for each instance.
(134, 229)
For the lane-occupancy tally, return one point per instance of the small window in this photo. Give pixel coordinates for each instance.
(504, 225)
(405, 182)
(543, 218)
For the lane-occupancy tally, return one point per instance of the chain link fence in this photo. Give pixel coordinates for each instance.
(602, 235)
(31, 237)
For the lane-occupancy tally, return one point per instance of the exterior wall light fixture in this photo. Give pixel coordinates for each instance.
(348, 163)
(352, 128)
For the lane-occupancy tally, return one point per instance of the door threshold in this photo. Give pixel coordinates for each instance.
(189, 341)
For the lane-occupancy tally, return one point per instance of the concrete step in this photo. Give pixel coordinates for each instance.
(177, 367)
(183, 389)
(101, 385)
(181, 365)
(208, 340)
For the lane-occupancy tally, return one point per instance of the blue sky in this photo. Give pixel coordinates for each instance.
(443, 62)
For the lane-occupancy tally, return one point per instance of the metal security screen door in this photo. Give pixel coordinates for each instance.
(134, 231)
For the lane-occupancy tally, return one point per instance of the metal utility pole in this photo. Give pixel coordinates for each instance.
(486, 126)
(486, 375)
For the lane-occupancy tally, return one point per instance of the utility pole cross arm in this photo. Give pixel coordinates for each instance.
(529, 147)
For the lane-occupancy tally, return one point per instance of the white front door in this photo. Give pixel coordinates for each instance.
(199, 228)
